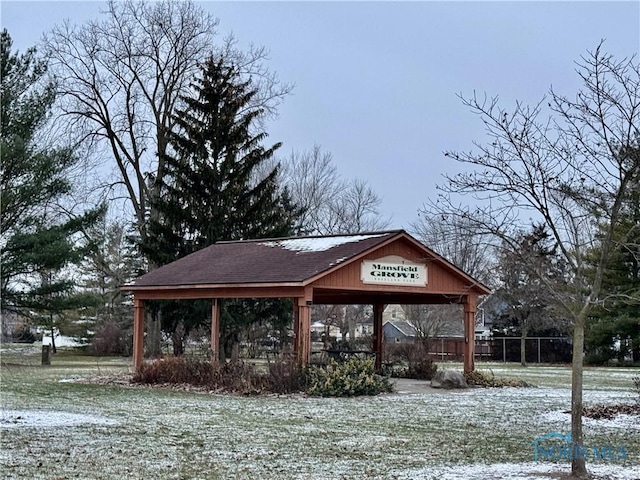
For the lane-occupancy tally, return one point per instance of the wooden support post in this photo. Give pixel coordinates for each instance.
(305, 334)
(302, 330)
(469, 332)
(305, 323)
(296, 329)
(378, 309)
(215, 331)
(138, 332)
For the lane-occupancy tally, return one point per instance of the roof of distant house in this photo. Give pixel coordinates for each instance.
(404, 327)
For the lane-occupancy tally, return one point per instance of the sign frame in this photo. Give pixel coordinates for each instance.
(401, 273)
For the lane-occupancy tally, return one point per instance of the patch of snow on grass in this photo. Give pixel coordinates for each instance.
(621, 421)
(48, 419)
(521, 471)
(62, 341)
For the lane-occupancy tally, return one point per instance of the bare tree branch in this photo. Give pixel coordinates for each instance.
(122, 77)
(330, 204)
(568, 166)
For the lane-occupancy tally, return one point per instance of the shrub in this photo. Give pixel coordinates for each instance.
(23, 334)
(110, 339)
(233, 377)
(176, 370)
(347, 379)
(240, 378)
(484, 379)
(422, 369)
(351, 378)
(415, 359)
(285, 376)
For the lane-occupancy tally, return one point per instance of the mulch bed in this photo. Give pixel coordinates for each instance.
(609, 411)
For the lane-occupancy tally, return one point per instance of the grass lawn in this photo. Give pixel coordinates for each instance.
(53, 427)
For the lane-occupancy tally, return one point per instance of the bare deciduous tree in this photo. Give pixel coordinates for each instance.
(331, 204)
(460, 242)
(571, 172)
(528, 299)
(121, 79)
(431, 321)
(466, 247)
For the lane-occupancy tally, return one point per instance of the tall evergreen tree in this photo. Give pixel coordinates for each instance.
(211, 190)
(31, 176)
(613, 330)
(38, 241)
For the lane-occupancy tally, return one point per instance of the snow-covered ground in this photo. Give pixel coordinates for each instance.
(62, 341)
(49, 419)
(98, 431)
(519, 471)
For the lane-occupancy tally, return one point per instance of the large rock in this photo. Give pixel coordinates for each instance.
(448, 379)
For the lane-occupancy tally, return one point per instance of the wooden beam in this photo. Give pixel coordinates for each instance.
(469, 332)
(302, 327)
(138, 332)
(190, 292)
(215, 331)
(378, 309)
(354, 297)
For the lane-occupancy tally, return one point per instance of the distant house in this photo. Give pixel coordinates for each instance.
(398, 331)
(393, 312)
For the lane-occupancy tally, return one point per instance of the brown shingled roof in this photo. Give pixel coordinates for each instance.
(283, 260)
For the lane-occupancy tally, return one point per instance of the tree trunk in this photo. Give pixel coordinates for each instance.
(326, 341)
(53, 340)
(231, 348)
(578, 464)
(524, 330)
(351, 322)
(177, 339)
(153, 335)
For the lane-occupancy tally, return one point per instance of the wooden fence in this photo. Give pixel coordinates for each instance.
(538, 349)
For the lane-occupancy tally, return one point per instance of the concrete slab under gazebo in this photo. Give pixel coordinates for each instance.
(376, 268)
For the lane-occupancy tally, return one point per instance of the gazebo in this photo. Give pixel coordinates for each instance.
(377, 269)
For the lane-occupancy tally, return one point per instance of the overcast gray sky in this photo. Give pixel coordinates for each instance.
(376, 83)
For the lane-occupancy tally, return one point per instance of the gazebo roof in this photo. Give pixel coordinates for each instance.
(326, 269)
(281, 260)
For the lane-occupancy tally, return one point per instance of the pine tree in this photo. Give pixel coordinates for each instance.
(212, 189)
(613, 330)
(30, 175)
(37, 242)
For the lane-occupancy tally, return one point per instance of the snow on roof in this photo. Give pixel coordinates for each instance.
(317, 244)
